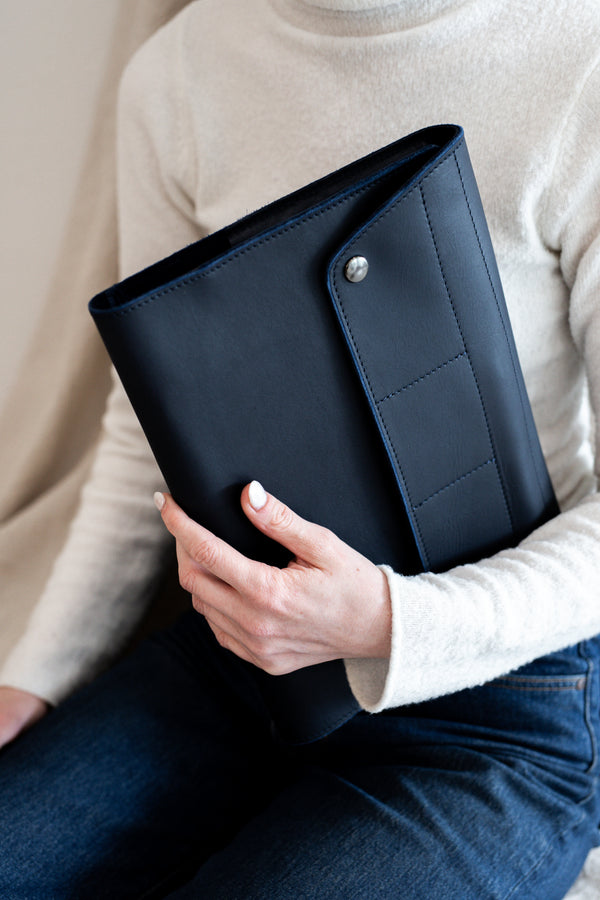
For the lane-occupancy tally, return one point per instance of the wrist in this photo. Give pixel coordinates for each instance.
(374, 636)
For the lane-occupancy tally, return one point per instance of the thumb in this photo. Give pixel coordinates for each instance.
(305, 540)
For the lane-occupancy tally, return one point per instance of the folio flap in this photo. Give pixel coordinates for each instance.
(233, 359)
(429, 335)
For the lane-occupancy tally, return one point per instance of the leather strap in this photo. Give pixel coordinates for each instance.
(438, 366)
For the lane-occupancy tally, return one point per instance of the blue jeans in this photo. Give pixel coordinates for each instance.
(163, 778)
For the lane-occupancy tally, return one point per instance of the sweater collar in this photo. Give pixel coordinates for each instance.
(358, 17)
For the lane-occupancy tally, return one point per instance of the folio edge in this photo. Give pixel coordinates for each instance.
(392, 410)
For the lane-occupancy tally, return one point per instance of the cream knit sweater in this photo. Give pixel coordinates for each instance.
(236, 102)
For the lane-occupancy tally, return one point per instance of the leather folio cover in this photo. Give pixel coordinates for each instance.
(392, 410)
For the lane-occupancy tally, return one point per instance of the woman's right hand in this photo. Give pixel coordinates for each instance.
(18, 710)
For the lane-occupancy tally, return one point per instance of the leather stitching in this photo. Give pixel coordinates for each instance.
(402, 478)
(458, 325)
(493, 459)
(514, 365)
(184, 282)
(488, 462)
(421, 378)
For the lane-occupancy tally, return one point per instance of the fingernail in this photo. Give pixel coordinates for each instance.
(257, 495)
(159, 500)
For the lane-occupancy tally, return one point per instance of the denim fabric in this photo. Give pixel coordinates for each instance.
(163, 778)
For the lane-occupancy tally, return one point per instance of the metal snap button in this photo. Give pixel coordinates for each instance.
(356, 269)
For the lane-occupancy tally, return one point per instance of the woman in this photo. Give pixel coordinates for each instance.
(164, 770)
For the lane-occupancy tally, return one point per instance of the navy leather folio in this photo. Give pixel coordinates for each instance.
(388, 406)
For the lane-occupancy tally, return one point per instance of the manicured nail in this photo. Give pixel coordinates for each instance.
(159, 500)
(257, 495)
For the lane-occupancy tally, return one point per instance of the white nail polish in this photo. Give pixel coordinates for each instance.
(257, 495)
(159, 500)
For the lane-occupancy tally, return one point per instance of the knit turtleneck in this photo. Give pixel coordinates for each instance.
(354, 17)
(233, 104)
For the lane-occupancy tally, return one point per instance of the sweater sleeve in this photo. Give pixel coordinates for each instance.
(102, 580)
(476, 622)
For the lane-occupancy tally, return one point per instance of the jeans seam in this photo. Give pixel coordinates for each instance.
(588, 715)
(543, 688)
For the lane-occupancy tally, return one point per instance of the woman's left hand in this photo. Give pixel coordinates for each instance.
(328, 603)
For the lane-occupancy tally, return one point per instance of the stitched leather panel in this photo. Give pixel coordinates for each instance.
(440, 420)
(407, 431)
(449, 400)
(400, 313)
(453, 202)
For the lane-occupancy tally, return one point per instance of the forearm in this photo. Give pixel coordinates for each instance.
(102, 580)
(455, 630)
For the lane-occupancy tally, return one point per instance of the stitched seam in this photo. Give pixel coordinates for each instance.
(565, 680)
(378, 414)
(588, 716)
(508, 343)
(253, 245)
(483, 408)
(421, 378)
(441, 490)
(539, 688)
(311, 215)
(192, 279)
(416, 187)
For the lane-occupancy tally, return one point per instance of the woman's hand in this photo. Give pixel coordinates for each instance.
(328, 603)
(18, 710)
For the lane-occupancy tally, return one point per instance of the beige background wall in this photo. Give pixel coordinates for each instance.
(52, 56)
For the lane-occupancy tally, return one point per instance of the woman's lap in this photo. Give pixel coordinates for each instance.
(440, 833)
(166, 766)
(131, 777)
(486, 794)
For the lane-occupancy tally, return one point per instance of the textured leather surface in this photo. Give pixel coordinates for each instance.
(393, 411)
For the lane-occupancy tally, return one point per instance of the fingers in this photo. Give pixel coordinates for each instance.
(281, 619)
(249, 638)
(206, 550)
(306, 540)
